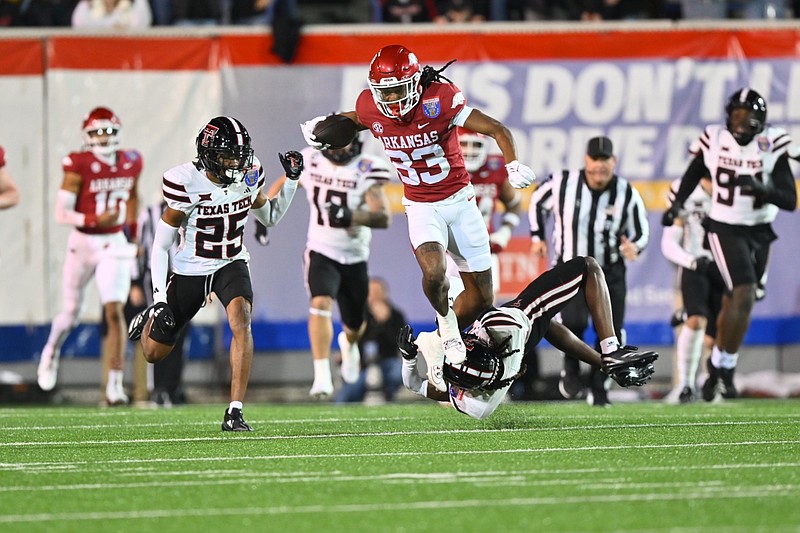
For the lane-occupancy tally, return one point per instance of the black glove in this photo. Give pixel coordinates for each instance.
(292, 162)
(669, 216)
(750, 185)
(701, 264)
(406, 344)
(339, 216)
(634, 376)
(262, 234)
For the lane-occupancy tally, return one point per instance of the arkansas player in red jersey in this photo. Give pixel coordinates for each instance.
(98, 197)
(414, 114)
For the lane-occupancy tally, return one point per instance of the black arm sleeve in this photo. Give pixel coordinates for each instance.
(696, 170)
(783, 192)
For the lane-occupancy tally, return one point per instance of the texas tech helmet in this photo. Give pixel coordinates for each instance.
(479, 370)
(223, 148)
(745, 130)
(101, 131)
(342, 156)
(394, 79)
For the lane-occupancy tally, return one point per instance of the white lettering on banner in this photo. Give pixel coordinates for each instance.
(649, 83)
(548, 94)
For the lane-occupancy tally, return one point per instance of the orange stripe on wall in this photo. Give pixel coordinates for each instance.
(21, 57)
(104, 53)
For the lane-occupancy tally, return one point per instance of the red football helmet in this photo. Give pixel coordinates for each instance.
(474, 148)
(101, 131)
(394, 78)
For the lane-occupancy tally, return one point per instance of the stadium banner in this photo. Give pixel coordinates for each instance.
(651, 90)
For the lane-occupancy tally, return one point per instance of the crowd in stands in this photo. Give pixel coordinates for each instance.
(144, 13)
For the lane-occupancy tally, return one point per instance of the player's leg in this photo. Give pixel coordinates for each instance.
(162, 325)
(610, 282)
(322, 283)
(352, 300)
(78, 270)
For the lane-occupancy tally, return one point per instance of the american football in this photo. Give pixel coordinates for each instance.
(337, 131)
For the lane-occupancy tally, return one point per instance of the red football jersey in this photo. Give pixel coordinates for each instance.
(104, 186)
(424, 148)
(488, 182)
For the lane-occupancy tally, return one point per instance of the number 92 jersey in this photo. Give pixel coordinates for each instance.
(725, 160)
(212, 234)
(423, 147)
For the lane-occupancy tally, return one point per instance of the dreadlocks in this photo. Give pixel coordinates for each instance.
(430, 74)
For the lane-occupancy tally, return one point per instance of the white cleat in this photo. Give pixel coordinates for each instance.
(351, 359)
(321, 390)
(116, 396)
(47, 373)
(430, 346)
(453, 345)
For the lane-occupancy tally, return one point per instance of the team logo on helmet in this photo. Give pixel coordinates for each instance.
(209, 132)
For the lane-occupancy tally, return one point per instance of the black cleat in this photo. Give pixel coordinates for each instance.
(598, 393)
(570, 385)
(728, 388)
(234, 421)
(686, 395)
(136, 327)
(709, 389)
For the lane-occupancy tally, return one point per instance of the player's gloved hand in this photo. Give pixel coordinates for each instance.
(262, 234)
(292, 163)
(339, 216)
(669, 216)
(634, 376)
(749, 184)
(406, 344)
(498, 240)
(701, 264)
(307, 128)
(519, 175)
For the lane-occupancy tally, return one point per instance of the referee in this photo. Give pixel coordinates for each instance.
(598, 214)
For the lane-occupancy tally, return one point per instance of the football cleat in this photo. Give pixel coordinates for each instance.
(136, 327)
(47, 372)
(709, 389)
(570, 385)
(598, 390)
(116, 396)
(686, 395)
(728, 388)
(430, 345)
(453, 345)
(234, 421)
(321, 389)
(351, 359)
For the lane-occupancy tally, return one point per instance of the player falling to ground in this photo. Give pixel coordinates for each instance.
(751, 180)
(98, 198)
(414, 112)
(208, 202)
(496, 341)
(345, 193)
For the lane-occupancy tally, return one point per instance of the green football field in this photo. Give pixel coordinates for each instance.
(413, 467)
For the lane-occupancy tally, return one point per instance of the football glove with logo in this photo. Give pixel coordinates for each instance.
(519, 175)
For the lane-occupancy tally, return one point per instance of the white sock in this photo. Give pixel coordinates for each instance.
(689, 348)
(727, 360)
(234, 405)
(609, 345)
(322, 370)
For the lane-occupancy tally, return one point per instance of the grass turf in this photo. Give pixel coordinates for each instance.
(550, 467)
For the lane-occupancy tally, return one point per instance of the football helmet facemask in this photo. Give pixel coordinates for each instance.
(101, 131)
(744, 127)
(394, 79)
(223, 148)
(474, 148)
(342, 156)
(479, 370)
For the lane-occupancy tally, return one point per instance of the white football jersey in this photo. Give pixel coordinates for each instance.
(725, 160)
(694, 212)
(326, 183)
(212, 234)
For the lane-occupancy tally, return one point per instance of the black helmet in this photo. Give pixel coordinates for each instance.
(480, 369)
(342, 156)
(746, 98)
(223, 148)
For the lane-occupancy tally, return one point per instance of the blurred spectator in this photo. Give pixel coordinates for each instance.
(462, 11)
(162, 12)
(405, 11)
(112, 14)
(378, 347)
(9, 192)
(196, 12)
(249, 12)
(36, 12)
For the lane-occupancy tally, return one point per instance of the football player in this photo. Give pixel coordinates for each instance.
(98, 197)
(414, 112)
(346, 198)
(751, 180)
(208, 202)
(9, 192)
(496, 342)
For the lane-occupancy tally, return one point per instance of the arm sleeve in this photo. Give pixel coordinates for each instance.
(411, 378)
(784, 193)
(671, 240)
(159, 259)
(639, 226)
(271, 212)
(539, 207)
(696, 170)
(65, 209)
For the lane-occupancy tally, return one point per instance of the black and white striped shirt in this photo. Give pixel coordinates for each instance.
(588, 223)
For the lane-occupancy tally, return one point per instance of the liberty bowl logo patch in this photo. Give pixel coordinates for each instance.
(763, 143)
(432, 107)
(251, 178)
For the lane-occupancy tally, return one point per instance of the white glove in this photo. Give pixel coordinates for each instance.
(307, 128)
(519, 175)
(499, 239)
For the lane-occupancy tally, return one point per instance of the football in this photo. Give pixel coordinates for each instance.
(337, 131)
